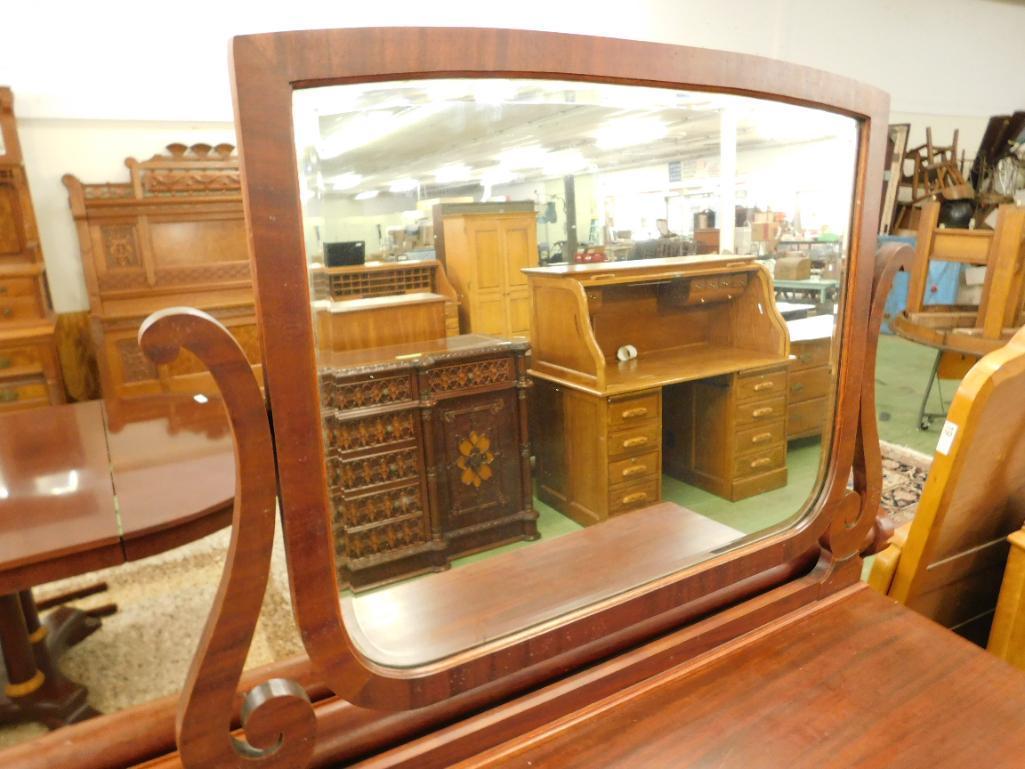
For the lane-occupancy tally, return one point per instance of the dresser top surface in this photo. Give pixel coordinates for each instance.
(418, 354)
(860, 682)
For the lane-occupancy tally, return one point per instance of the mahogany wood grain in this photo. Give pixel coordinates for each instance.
(419, 622)
(277, 714)
(857, 683)
(266, 69)
(58, 503)
(139, 733)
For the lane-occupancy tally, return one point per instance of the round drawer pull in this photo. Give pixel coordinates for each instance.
(640, 440)
(634, 470)
(6, 362)
(761, 462)
(797, 387)
(3, 290)
(639, 496)
(640, 411)
(7, 396)
(7, 312)
(804, 357)
(762, 412)
(764, 386)
(761, 438)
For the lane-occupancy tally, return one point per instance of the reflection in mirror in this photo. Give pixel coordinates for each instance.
(654, 272)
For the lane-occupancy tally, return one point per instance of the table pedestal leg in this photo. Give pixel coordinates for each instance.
(32, 688)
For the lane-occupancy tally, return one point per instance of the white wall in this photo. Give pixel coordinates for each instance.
(97, 81)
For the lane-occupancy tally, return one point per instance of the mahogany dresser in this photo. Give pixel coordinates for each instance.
(172, 235)
(29, 367)
(427, 454)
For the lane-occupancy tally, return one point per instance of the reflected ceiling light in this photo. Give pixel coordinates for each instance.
(493, 91)
(453, 172)
(345, 181)
(628, 132)
(200, 398)
(564, 162)
(403, 185)
(515, 158)
(497, 175)
(367, 195)
(359, 129)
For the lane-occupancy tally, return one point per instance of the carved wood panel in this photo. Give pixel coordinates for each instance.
(479, 476)
(382, 430)
(479, 373)
(120, 246)
(337, 393)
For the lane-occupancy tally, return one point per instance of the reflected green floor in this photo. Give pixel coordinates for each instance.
(762, 510)
(902, 370)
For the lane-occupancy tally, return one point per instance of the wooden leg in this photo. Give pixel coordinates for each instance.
(33, 687)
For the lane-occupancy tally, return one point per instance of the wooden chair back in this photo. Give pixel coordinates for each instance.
(948, 563)
(967, 328)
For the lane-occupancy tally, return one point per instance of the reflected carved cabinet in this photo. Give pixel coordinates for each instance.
(29, 367)
(172, 235)
(427, 454)
(484, 247)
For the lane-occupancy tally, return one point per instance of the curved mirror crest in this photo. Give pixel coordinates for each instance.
(571, 338)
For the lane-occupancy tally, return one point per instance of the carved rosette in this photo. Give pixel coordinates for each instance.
(120, 247)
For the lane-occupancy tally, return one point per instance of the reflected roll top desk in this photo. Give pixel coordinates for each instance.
(711, 368)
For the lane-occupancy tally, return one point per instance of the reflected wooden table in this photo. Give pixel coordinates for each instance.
(83, 487)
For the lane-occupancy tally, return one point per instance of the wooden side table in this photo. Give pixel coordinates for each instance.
(80, 491)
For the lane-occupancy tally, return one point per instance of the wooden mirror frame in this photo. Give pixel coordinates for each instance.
(785, 570)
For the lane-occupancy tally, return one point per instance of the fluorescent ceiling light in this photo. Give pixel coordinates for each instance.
(367, 195)
(453, 172)
(629, 131)
(404, 185)
(345, 181)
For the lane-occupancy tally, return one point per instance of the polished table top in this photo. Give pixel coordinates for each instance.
(89, 485)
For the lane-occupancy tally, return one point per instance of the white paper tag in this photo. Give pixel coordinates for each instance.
(946, 437)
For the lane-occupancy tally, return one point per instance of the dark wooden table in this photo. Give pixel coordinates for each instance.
(86, 486)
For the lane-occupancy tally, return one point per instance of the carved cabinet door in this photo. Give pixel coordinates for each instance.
(478, 456)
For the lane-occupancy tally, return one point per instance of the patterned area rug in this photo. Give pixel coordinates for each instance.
(904, 474)
(143, 651)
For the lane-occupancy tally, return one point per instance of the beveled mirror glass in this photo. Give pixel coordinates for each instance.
(543, 309)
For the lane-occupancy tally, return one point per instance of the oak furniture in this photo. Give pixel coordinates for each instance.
(30, 373)
(810, 379)
(427, 453)
(1007, 634)
(948, 562)
(705, 398)
(485, 247)
(79, 495)
(173, 235)
(380, 279)
(967, 329)
(770, 651)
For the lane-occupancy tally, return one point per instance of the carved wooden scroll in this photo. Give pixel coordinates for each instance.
(277, 716)
(868, 462)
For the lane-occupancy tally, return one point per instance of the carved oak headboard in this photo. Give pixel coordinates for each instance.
(174, 234)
